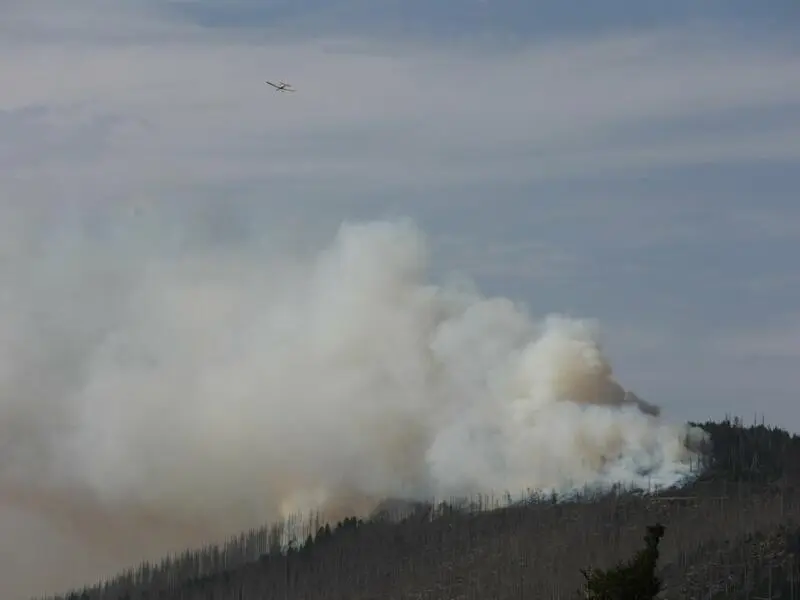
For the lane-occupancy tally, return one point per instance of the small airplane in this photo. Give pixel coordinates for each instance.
(281, 86)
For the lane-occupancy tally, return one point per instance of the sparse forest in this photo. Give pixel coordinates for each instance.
(733, 533)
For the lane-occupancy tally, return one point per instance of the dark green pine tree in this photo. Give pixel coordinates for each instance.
(635, 579)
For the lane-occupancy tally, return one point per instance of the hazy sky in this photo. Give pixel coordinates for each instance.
(637, 163)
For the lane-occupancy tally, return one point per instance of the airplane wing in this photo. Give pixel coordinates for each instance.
(283, 87)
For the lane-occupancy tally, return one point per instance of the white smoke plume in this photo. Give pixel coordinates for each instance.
(157, 391)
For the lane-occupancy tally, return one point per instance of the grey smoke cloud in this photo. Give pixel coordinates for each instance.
(159, 390)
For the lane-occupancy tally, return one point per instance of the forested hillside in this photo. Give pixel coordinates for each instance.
(733, 533)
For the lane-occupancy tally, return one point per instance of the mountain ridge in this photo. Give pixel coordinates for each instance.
(729, 529)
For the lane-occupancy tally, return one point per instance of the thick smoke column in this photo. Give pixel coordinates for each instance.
(152, 397)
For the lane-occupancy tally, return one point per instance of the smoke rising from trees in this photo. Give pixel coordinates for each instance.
(158, 391)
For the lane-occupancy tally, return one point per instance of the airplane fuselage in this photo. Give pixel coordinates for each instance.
(281, 87)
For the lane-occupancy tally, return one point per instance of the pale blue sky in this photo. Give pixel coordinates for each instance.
(627, 161)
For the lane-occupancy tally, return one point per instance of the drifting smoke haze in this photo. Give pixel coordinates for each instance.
(158, 392)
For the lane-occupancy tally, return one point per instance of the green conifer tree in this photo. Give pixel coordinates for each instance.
(635, 579)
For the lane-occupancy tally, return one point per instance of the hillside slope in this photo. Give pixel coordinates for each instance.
(732, 533)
